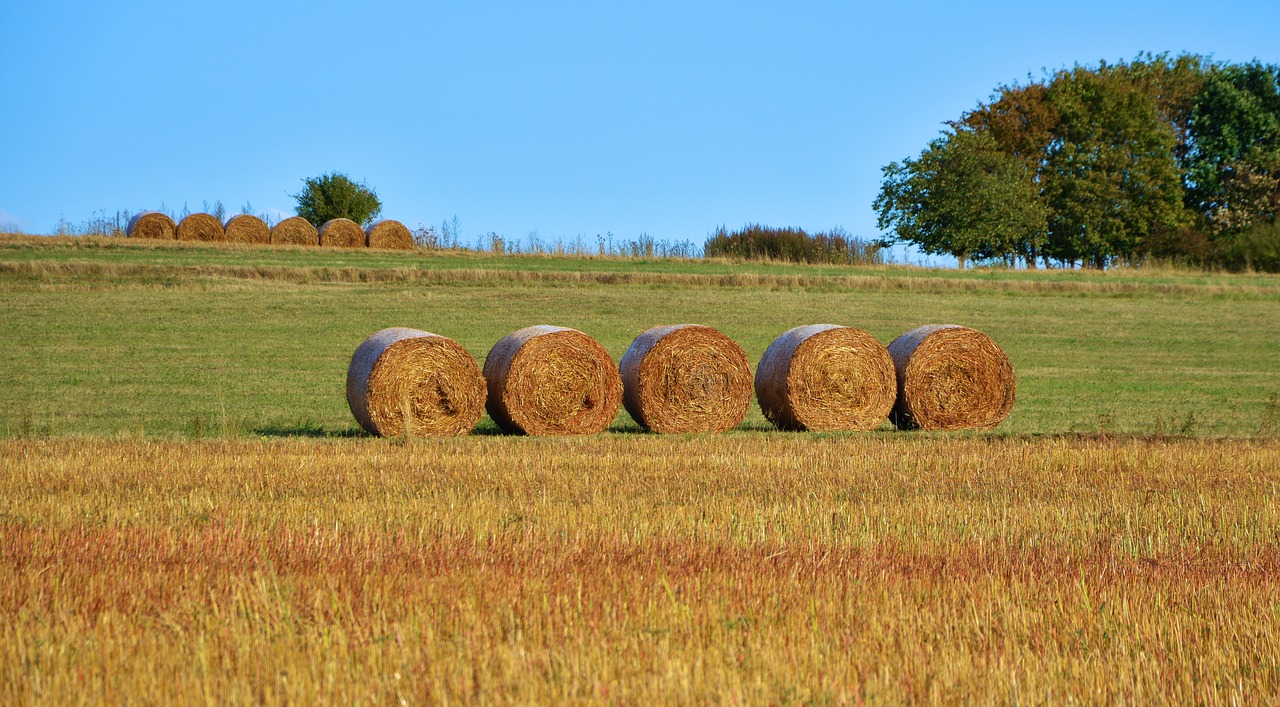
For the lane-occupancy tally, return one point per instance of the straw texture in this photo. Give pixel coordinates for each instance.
(247, 228)
(151, 224)
(950, 378)
(342, 233)
(826, 377)
(389, 234)
(409, 379)
(686, 378)
(200, 227)
(295, 230)
(550, 380)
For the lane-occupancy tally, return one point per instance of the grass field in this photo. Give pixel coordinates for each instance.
(187, 516)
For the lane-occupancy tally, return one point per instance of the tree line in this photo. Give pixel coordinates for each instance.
(1174, 158)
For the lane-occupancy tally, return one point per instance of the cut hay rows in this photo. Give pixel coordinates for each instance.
(151, 224)
(342, 233)
(686, 378)
(389, 234)
(247, 228)
(825, 377)
(200, 227)
(409, 379)
(550, 380)
(295, 230)
(950, 378)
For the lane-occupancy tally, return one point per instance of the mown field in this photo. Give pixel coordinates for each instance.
(188, 513)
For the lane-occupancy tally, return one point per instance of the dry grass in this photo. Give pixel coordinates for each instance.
(737, 569)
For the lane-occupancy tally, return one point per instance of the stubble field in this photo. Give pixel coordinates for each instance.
(188, 515)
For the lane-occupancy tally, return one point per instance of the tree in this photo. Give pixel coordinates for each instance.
(1110, 178)
(964, 197)
(334, 195)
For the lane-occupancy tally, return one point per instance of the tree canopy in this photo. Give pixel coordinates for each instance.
(334, 195)
(1170, 156)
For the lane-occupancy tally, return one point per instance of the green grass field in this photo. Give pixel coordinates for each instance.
(115, 338)
(187, 513)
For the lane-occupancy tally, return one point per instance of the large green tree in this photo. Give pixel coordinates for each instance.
(963, 197)
(334, 195)
(1110, 178)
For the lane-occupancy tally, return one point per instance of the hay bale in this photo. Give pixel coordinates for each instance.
(950, 378)
(550, 380)
(294, 230)
(151, 224)
(405, 378)
(389, 234)
(342, 233)
(200, 227)
(826, 377)
(686, 378)
(247, 228)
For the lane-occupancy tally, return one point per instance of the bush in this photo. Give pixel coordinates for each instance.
(1256, 248)
(756, 242)
(334, 195)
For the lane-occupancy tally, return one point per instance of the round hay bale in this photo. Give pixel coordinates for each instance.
(409, 379)
(342, 233)
(295, 230)
(152, 224)
(200, 227)
(247, 228)
(826, 377)
(389, 234)
(550, 380)
(686, 378)
(950, 378)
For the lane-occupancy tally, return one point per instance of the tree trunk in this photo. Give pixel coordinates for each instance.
(961, 258)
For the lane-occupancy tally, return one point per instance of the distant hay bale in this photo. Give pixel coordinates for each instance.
(950, 378)
(247, 228)
(402, 378)
(152, 224)
(550, 380)
(389, 234)
(825, 377)
(342, 233)
(686, 378)
(294, 230)
(200, 227)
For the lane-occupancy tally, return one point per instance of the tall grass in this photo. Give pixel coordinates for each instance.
(742, 568)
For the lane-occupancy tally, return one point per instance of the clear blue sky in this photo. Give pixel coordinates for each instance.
(565, 118)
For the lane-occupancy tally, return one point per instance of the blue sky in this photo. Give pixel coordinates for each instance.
(562, 118)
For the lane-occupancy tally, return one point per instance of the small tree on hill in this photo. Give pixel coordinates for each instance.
(334, 195)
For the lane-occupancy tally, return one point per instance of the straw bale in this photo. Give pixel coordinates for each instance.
(200, 227)
(686, 378)
(551, 380)
(295, 230)
(950, 378)
(826, 377)
(152, 224)
(405, 378)
(389, 234)
(247, 228)
(342, 233)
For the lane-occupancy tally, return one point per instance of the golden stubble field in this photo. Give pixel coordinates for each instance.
(744, 568)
